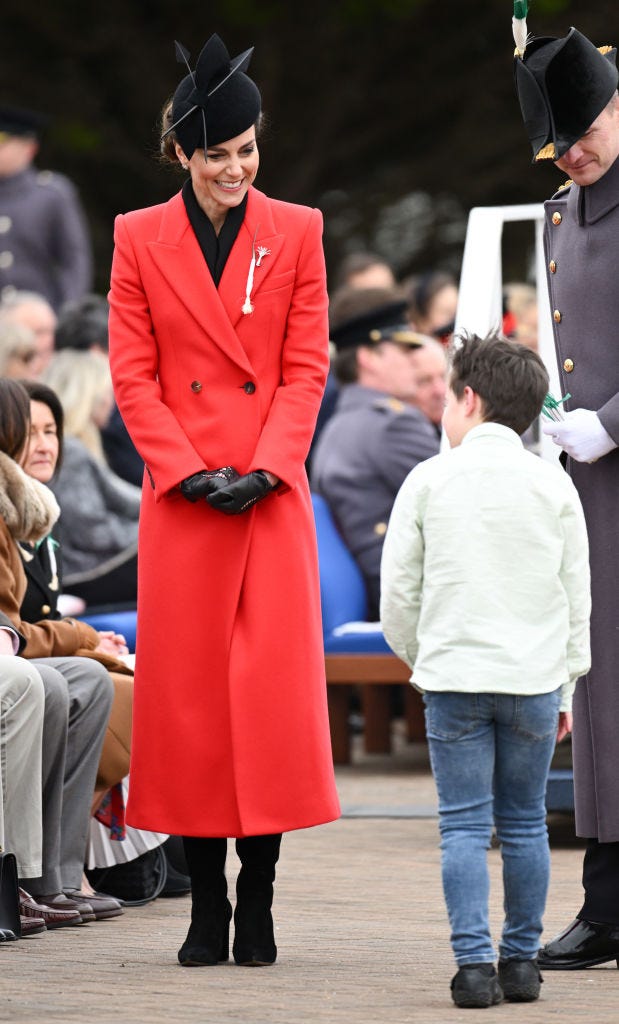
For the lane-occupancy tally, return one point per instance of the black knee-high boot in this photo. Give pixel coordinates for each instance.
(254, 942)
(208, 937)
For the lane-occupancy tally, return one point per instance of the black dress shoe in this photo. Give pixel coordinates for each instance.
(582, 944)
(520, 980)
(96, 906)
(476, 985)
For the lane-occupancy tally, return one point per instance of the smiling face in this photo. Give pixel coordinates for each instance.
(222, 181)
(593, 155)
(41, 453)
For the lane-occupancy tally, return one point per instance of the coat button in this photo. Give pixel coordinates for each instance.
(45, 609)
(5, 224)
(380, 529)
(557, 316)
(556, 218)
(568, 365)
(196, 386)
(249, 387)
(552, 266)
(6, 259)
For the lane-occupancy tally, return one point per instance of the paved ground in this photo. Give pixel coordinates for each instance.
(361, 930)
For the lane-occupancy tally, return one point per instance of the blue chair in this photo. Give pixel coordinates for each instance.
(356, 652)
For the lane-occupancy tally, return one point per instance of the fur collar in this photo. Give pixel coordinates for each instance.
(28, 508)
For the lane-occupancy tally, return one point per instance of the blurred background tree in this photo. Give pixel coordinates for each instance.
(395, 117)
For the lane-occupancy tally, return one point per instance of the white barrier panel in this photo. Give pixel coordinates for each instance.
(480, 303)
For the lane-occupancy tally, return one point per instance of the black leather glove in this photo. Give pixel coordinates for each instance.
(242, 493)
(206, 482)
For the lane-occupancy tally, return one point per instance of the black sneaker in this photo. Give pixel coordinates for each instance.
(476, 985)
(520, 980)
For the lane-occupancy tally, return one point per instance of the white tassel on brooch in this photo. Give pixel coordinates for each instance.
(519, 26)
(247, 306)
(257, 255)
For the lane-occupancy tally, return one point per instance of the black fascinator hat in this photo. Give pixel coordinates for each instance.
(563, 85)
(216, 101)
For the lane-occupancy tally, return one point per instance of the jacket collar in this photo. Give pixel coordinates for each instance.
(496, 431)
(590, 203)
(218, 311)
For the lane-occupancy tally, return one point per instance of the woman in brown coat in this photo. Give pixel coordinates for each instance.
(27, 513)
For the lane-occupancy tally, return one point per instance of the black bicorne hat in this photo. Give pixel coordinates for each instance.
(385, 323)
(215, 102)
(563, 85)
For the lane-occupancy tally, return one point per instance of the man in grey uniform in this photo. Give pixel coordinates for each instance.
(568, 94)
(375, 436)
(44, 242)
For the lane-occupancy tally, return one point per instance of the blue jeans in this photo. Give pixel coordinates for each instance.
(490, 755)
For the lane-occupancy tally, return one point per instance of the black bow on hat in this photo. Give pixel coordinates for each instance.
(215, 102)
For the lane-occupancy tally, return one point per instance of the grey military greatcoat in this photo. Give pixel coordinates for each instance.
(582, 256)
(44, 239)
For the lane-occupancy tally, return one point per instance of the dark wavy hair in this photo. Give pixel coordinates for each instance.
(510, 378)
(14, 417)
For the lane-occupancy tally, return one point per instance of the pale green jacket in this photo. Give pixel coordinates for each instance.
(485, 571)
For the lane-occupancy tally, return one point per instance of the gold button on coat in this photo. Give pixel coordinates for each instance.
(557, 316)
(45, 609)
(552, 266)
(568, 365)
(380, 529)
(556, 218)
(196, 386)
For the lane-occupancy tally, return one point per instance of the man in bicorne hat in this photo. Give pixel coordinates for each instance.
(376, 434)
(568, 94)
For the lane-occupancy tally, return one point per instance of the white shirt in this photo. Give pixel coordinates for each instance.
(485, 572)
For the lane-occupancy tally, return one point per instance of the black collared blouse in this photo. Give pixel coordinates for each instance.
(215, 248)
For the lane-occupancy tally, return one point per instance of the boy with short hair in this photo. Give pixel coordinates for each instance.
(485, 594)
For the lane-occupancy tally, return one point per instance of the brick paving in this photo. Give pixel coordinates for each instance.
(360, 926)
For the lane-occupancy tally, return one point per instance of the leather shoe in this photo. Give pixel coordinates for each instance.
(476, 985)
(6, 935)
(582, 944)
(99, 904)
(520, 980)
(56, 910)
(31, 925)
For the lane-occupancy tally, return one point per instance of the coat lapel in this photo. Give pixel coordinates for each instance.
(179, 258)
(258, 229)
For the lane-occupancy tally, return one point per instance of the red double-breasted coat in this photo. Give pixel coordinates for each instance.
(231, 732)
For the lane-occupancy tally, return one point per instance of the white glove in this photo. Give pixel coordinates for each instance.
(581, 435)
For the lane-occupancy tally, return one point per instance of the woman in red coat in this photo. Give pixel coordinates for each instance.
(219, 352)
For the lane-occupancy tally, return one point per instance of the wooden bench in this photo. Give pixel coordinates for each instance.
(372, 676)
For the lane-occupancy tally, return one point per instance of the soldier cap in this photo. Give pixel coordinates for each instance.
(384, 323)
